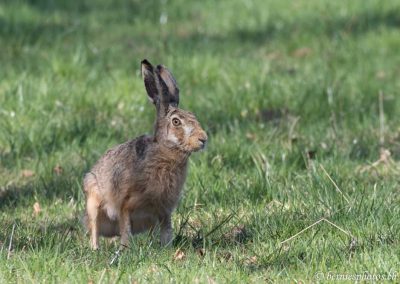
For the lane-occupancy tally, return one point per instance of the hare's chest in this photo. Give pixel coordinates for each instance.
(165, 186)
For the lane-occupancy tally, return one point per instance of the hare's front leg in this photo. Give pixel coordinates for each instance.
(125, 227)
(93, 207)
(165, 230)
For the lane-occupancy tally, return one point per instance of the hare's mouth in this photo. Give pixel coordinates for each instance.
(202, 143)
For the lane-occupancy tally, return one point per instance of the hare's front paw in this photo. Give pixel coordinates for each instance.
(125, 228)
(94, 245)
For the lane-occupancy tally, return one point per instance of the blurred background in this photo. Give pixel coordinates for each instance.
(233, 59)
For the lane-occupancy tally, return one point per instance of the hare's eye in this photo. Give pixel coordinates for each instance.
(176, 122)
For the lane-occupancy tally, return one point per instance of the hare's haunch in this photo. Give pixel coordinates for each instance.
(137, 185)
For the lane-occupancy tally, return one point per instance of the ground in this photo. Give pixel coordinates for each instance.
(301, 103)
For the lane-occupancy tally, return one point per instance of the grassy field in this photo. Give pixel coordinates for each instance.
(301, 102)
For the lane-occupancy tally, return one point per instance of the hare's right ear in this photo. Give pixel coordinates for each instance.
(151, 81)
(169, 85)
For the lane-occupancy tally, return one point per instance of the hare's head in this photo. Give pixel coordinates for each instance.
(175, 128)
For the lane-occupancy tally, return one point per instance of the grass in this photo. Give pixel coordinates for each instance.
(289, 94)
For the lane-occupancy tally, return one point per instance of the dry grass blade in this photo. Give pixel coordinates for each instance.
(339, 228)
(11, 240)
(315, 223)
(381, 120)
(334, 183)
(302, 231)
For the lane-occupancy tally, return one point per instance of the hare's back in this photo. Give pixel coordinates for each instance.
(120, 162)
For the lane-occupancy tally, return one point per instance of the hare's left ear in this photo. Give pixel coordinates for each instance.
(150, 81)
(170, 87)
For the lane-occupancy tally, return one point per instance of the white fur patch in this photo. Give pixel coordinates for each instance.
(112, 211)
(173, 138)
(188, 130)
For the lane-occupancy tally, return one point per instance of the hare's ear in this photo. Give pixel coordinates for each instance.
(161, 87)
(169, 85)
(150, 81)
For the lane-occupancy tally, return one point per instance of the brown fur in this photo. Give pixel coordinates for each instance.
(136, 186)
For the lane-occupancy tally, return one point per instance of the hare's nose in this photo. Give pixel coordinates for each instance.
(203, 140)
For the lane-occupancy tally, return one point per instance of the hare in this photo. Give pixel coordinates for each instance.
(136, 185)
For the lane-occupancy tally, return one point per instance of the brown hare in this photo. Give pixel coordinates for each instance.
(136, 186)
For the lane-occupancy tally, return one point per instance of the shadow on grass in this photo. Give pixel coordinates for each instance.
(34, 235)
(57, 187)
(34, 230)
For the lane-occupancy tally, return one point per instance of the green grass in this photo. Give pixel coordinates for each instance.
(285, 89)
